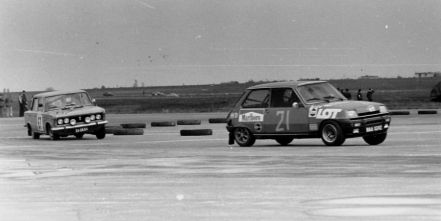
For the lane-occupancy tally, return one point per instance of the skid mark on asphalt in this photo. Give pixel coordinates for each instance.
(372, 206)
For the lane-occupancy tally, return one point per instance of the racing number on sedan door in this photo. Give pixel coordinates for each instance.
(283, 122)
(40, 122)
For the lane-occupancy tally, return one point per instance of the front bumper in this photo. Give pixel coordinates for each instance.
(80, 128)
(366, 126)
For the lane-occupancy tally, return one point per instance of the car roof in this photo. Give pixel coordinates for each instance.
(60, 92)
(284, 84)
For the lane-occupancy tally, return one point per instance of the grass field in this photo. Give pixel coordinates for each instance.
(396, 93)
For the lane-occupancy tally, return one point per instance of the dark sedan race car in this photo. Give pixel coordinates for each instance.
(63, 113)
(289, 110)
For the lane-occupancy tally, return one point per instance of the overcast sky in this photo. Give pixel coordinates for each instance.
(68, 44)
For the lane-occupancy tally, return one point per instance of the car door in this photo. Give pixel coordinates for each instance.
(251, 113)
(286, 113)
(31, 116)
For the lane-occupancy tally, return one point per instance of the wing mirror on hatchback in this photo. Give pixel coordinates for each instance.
(94, 101)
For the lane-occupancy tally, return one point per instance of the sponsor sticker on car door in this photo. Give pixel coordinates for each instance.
(254, 115)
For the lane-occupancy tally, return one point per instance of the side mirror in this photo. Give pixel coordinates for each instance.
(94, 101)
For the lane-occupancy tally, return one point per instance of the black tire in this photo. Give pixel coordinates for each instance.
(196, 132)
(79, 136)
(284, 141)
(399, 113)
(101, 134)
(133, 125)
(163, 124)
(51, 134)
(112, 129)
(427, 112)
(244, 137)
(332, 134)
(129, 131)
(217, 120)
(32, 133)
(188, 122)
(375, 139)
(29, 130)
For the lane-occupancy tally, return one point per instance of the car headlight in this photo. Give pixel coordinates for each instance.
(73, 122)
(351, 114)
(383, 109)
(87, 120)
(98, 116)
(92, 117)
(60, 121)
(66, 120)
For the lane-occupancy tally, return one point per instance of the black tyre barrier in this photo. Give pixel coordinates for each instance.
(427, 112)
(197, 132)
(129, 131)
(163, 124)
(133, 125)
(188, 122)
(217, 120)
(399, 112)
(112, 129)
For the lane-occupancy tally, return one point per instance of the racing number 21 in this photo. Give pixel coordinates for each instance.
(283, 121)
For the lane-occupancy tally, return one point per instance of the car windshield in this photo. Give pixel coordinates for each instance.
(68, 101)
(320, 92)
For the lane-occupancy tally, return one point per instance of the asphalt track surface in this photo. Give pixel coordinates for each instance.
(163, 176)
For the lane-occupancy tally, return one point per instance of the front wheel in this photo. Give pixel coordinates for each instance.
(332, 134)
(52, 135)
(375, 139)
(284, 141)
(101, 134)
(244, 137)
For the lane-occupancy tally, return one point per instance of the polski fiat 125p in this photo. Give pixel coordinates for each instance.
(63, 113)
(289, 110)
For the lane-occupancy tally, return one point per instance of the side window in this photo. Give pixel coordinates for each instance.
(283, 97)
(40, 105)
(257, 99)
(35, 104)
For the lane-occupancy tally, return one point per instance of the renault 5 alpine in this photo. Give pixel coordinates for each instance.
(284, 111)
(63, 113)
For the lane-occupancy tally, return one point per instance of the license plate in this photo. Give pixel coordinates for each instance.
(374, 128)
(79, 130)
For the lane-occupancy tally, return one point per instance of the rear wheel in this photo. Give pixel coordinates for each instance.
(244, 137)
(33, 133)
(284, 141)
(332, 134)
(375, 139)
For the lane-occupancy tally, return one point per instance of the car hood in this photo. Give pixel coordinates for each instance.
(359, 106)
(76, 111)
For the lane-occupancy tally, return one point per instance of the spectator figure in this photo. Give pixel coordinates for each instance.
(359, 95)
(369, 94)
(347, 94)
(22, 101)
(8, 103)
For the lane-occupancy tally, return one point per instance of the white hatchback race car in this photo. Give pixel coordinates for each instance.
(290, 110)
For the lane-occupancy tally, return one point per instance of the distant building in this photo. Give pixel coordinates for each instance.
(369, 77)
(427, 74)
